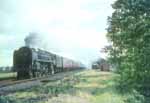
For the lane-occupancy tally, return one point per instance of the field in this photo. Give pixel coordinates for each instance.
(7, 75)
(87, 86)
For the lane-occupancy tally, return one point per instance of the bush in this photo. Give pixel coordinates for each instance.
(135, 97)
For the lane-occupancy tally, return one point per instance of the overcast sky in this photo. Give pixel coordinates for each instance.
(72, 28)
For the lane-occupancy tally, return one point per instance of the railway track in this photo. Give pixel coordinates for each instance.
(11, 86)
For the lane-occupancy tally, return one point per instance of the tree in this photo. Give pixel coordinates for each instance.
(129, 32)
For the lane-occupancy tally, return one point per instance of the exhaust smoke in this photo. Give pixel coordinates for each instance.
(32, 40)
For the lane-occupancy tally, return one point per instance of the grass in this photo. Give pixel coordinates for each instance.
(99, 87)
(7, 75)
(87, 86)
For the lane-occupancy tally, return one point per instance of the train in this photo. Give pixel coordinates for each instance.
(32, 63)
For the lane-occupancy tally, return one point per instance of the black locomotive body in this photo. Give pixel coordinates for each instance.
(31, 63)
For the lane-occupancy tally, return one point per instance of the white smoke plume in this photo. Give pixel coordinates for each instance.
(37, 40)
(32, 40)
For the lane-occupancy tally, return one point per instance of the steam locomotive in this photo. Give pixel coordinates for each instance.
(31, 63)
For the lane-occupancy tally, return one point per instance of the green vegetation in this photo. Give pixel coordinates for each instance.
(7, 75)
(129, 33)
(88, 86)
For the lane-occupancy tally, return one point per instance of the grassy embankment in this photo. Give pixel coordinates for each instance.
(80, 87)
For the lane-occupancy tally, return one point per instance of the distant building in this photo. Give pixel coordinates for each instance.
(101, 64)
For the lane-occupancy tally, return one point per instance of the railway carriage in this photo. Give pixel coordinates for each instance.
(30, 63)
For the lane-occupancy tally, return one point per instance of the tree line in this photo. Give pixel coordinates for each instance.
(129, 34)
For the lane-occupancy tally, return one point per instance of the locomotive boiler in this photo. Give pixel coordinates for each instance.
(31, 63)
